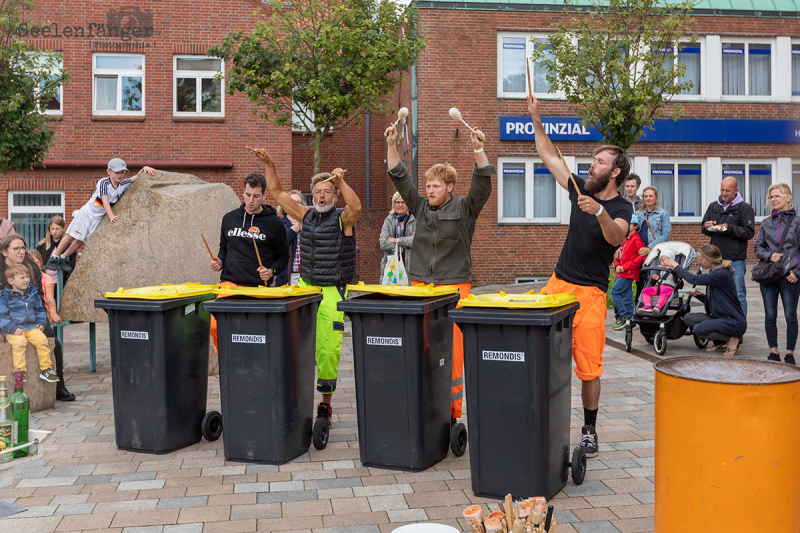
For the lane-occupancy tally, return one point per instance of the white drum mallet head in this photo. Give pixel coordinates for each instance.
(456, 114)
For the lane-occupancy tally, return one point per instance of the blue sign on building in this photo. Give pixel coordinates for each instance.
(665, 130)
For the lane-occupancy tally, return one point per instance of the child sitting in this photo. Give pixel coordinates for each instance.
(627, 269)
(22, 319)
(665, 284)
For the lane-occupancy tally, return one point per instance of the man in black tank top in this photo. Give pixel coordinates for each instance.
(327, 259)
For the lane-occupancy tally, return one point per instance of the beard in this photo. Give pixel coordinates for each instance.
(598, 183)
(324, 208)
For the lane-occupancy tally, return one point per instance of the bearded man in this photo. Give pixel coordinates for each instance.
(598, 223)
(327, 260)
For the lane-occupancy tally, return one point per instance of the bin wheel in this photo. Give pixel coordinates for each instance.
(660, 343)
(578, 465)
(700, 343)
(628, 339)
(321, 432)
(212, 426)
(458, 439)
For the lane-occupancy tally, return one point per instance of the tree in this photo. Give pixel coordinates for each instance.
(617, 61)
(29, 79)
(329, 62)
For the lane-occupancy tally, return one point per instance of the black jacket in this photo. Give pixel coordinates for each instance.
(720, 300)
(327, 255)
(291, 239)
(239, 230)
(740, 219)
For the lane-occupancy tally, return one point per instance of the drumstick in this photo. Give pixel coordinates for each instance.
(528, 68)
(568, 171)
(329, 179)
(207, 248)
(252, 149)
(260, 266)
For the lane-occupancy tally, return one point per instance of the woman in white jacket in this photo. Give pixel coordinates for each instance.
(398, 228)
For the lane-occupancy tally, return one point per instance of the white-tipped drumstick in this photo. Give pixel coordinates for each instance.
(401, 114)
(456, 114)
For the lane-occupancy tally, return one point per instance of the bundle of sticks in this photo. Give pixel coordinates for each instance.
(527, 516)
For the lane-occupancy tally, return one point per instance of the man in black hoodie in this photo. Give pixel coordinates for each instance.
(251, 222)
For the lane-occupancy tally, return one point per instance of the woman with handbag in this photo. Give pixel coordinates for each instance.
(397, 233)
(654, 227)
(778, 271)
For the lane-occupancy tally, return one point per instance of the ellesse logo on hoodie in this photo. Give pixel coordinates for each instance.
(252, 233)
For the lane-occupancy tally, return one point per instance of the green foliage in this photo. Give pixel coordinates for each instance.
(615, 61)
(333, 60)
(26, 86)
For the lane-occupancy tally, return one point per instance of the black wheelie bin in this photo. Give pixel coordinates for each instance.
(403, 353)
(517, 370)
(159, 365)
(266, 340)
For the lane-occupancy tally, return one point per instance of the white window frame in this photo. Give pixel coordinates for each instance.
(558, 95)
(773, 70)
(55, 71)
(199, 75)
(746, 185)
(795, 97)
(298, 119)
(701, 95)
(25, 209)
(528, 218)
(794, 163)
(675, 162)
(119, 73)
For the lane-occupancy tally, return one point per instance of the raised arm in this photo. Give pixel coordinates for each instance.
(545, 148)
(480, 188)
(352, 212)
(398, 173)
(280, 196)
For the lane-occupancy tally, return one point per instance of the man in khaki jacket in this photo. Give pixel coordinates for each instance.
(443, 238)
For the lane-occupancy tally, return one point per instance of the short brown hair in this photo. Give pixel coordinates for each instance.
(636, 177)
(15, 270)
(35, 255)
(323, 176)
(621, 161)
(256, 180)
(442, 171)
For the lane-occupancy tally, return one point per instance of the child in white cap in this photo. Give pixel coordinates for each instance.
(107, 192)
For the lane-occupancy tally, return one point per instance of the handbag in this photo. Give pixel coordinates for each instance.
(394, 272)
(769, 271)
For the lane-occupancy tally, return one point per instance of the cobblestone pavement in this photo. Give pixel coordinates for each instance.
(82, 482)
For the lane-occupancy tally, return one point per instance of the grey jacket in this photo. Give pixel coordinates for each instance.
(441, 251)
(767, 240)
(405, 242)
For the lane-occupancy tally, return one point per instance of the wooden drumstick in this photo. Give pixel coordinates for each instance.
(568, 171)
(509, 512)
(329, 179)
(208, 248)
(528, 68)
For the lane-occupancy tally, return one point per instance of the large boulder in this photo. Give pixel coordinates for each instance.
(155, 240)
(41, 393)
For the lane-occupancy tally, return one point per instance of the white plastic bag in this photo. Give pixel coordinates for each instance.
(394, 272)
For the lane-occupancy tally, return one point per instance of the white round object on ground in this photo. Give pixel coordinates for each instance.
(402, 113)
(426, 528)
(455, 113)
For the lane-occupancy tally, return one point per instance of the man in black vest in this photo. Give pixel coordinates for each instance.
(327, 260)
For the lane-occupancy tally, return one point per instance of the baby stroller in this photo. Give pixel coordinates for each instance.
(668, 323)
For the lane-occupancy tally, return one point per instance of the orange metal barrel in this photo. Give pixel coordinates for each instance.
(727, 454)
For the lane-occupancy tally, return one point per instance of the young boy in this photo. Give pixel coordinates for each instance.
(22, 320)
(106, 194)
(627, 268)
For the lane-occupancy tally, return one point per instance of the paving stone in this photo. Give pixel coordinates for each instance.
(134, 476)
(565, 517)
(184, 528)
(602, 526)
(77, 508)
(241, 488)
(192, 501)
(307, 508)
(407, 515)
(141, 485)
(93, 480)
(588, 488)
(261, 469)
(353, 529)
(258, 511)
(336, 483)
(290, 496)
(85, 522)
(388, 502)
(644, 497)
(217, 513)
(285, 486)
(381, 490)
(37, 511)
(74, 470)
(143, 529)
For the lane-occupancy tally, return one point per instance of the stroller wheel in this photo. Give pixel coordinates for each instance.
(660, 342)
(628, 339)
(700, 343)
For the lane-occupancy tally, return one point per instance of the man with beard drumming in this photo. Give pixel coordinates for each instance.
(327, 259)
(598, 223)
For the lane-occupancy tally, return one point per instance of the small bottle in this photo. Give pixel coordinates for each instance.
(21, 406)
(6, 422)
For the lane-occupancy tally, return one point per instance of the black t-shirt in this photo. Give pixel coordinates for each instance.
(586, 254)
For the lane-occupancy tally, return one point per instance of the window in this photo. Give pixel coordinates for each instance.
(680, 187)
(795, 69)
(527, 192)
(303, 119)
(195, 90)
(746, 69)
(514, 49)
(118, 84)
(754, 180)
(30, 211)
(690, 55)
(796, 180)
(55, 105)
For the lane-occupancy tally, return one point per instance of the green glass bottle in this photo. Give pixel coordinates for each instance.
(21, 405)
(6, 422)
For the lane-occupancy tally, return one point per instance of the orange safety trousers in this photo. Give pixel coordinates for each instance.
(213, 324)
(457, 393)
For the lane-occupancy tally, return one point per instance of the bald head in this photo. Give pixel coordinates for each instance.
(728, 190)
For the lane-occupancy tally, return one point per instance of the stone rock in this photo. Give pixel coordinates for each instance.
(41, 393)
(156, 240)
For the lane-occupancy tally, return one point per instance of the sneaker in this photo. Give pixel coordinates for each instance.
(656, 310)
(65, 266)
(324, 410)
(53, 262)
(49, 376)
(646, 310)
(774, 357)
(589, 441)
(619, 325)
(789, 359)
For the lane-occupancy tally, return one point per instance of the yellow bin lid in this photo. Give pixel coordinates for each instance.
(418, 291)
(529, 300)
(286, 291)
(167, 291)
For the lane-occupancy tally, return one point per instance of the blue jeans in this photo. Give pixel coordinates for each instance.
(738, 277)
(622, 297)
(789, 293)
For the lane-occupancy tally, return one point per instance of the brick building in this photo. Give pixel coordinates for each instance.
(742, 119)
